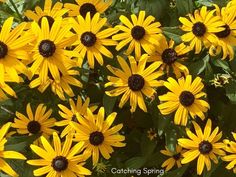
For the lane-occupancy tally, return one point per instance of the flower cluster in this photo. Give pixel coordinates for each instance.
(56, 44)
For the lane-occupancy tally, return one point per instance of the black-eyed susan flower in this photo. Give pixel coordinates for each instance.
(184, 98)
(98, 135)
(40, 122)
(13, 50)
(133, 81)
(151, 134)
(58, 160)
(82, 7)
(201, 28)
(171, 56)
(59, 87)
(6, 89)
(49, 54)
(140, 33)
(227, 37)
(49, 12)
(230, 148)
(7, 154)
(203, 145)
(71, 114)
(92, 39)
(175, 158)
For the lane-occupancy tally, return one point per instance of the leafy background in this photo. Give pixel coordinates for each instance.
(140, 151)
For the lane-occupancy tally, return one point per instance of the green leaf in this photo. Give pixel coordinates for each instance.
(109, 103)
(222, 64)
(135, 162)
(163, 123)
(173, 33)
(231, 91)
(171, 137)
(147, 146)
(184, 7)
(199, 66)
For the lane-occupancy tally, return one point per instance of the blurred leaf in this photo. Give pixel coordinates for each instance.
(176, 173)
(109, 103)
(163, 123)
(231, 91)
(135, 162)
(184, 7)
(171, 137)
(172, 33)
(147, 146)
(198, 66)
(222, 64)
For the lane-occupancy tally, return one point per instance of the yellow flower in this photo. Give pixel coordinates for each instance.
(201, 28)
(5, 88)
(49, 54)
(202, 145)
(151, 134)
(227, 37)
(231, 157)
(133, 81)
(49, 12)
(59, 87)
(13, 50)
(7, 154)
(72, 114)
(82, 7)
(61, 160)
(140, 33)
(92, 38)
(175, 158)
(34, 124)
(184, 98)
(98, 135)
(171, 56)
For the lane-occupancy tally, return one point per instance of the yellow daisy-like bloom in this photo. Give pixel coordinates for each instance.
(230, 147)
(49, 54)
(151, 134)
(201, 28)
(91, 39)
(59, 87)
(227, 37)
(76, 110)
(140, 33)
(7, 154)
(175, 158)
(34, 124)
(84, 6)
(49, 12)
(170, 55)
(61, 160)
(98, 135)
(133, 81)
(5, 88)
(13, 48)
(184, 98)
(202, 145)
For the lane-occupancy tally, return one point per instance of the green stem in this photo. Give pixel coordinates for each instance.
(16, 10)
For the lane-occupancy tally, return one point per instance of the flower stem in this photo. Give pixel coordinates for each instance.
(16, 10)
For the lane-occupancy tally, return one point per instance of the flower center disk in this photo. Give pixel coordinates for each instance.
(205, 147)
(177, 156)
(138, 32)
(96, 138)
(186, 98)
(34, 127)
(47, 48)
(136, 82)
(3, 49)
(87, 7)
(88, 39)
(225, 33)
(169, 56)
(59, 163)
(50, 21)
(199, 29)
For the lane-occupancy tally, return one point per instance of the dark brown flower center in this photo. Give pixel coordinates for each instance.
(59, 163)
(3, 49)
(96, 138)
(199, 29)
(205, 147)
(225, 33)
(177, 156)
(138, 32)
(186, 98)
(136, 82)
(88, 39)
(34, 127)
(87, 7)
(49, 18)
(169, 56)
(47, 48)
